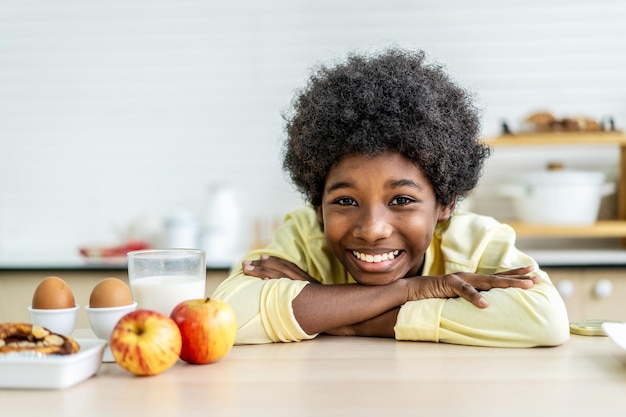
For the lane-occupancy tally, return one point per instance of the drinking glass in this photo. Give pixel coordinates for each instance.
(161, 278)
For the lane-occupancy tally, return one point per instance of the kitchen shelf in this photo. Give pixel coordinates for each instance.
(559, 138)
(601, 229)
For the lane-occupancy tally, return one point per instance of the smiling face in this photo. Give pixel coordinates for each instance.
(379, 214)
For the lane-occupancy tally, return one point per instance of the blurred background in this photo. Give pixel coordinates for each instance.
(125, 119)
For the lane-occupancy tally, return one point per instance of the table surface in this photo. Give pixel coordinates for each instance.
(342, 376)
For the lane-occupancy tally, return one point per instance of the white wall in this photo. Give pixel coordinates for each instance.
(118, 110)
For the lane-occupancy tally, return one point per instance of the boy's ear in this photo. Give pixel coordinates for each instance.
(445, 212)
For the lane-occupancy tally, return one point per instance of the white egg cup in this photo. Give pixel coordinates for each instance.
(58, 320)
(103, 321)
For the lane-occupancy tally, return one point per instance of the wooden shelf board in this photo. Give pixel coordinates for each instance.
(559, 138)
(601, 229)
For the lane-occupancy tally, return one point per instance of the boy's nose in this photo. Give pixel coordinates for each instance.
(373, 224)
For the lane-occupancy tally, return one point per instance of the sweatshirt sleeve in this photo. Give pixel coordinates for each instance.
(264, 307)
(514, 317)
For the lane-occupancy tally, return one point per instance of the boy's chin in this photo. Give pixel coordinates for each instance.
(373, 279)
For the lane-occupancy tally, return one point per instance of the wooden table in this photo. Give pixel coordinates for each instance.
(337, 376)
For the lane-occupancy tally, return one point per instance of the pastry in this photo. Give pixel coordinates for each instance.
(26, 337)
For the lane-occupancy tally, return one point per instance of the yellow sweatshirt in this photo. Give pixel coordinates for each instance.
(466, 243)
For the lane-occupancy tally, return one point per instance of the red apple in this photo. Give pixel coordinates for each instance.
(145, 342)
(208, 328)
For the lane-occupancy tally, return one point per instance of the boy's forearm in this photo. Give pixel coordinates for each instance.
(369, 309)
(379, 326)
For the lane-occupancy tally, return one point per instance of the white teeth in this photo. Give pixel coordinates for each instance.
(376, 258)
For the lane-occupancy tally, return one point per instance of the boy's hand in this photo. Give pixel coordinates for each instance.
(272, 267)
(462, 284)
(468, 285)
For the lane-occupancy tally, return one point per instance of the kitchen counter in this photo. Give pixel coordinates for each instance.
(342, 376)
(65, 261)
(547, 252)
(578, 257)
(601, 256)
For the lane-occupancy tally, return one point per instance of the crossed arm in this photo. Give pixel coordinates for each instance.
(361, 310)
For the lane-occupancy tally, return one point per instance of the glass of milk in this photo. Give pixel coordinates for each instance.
(162, 278)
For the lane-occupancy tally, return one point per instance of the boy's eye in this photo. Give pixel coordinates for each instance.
(401, 201)
(345, 201)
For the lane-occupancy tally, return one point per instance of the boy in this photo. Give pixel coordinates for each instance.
(382, 147)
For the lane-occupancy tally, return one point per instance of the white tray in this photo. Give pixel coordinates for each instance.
(52, 371)
(617, 333)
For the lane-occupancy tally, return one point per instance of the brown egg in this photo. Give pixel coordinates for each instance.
(110, 292)
(53, 293)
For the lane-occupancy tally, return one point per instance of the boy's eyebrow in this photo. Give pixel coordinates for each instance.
(338, 185)
(391, 184)
(404, 183)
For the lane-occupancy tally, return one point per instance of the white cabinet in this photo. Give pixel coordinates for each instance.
(17, 287)
(592, 293)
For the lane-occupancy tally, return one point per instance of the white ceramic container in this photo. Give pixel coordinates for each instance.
(562, 197)
(61, 320)
(103, 320)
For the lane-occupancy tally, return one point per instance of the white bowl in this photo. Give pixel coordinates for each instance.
(61, 320)
(103, 320)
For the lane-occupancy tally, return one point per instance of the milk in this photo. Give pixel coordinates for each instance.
(163, 293)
